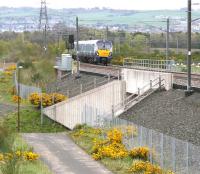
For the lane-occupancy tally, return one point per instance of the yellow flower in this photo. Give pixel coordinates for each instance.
(1, 157)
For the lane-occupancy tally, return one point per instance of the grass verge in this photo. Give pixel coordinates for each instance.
(30, 122)
(13, 142)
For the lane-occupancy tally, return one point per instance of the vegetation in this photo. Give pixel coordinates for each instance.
(46, 99)
(31, 122)
(106, 145)
(16, 157)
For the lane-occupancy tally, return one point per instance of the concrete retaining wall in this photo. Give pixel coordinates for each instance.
(88, 106)
(139, 78)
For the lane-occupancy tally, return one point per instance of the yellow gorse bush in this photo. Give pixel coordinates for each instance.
(147, 168)
(27, 156)
(16, 98)
(114, 135)
(11, 68)
(47, 99)
(7, 73)
(30, 156)
(112, 147)
(140, 152)
(1, 157)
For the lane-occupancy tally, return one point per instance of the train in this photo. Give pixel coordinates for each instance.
(95, 51)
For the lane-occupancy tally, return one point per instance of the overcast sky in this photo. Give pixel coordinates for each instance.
(115, 4)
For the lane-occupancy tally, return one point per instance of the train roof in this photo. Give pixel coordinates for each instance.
(88, 41)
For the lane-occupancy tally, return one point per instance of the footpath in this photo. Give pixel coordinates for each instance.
(62, 155)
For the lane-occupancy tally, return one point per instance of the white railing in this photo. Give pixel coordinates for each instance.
(150, 64)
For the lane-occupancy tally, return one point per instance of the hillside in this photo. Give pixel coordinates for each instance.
(94, 17)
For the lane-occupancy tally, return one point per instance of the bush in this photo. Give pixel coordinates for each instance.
(112, 147)
(147, 168)
(16, 98)
(47, 99)
(140, 153)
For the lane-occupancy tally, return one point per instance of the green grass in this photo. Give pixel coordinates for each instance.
(14, 142)
(6, 85)
(118, 166)
(31, 122)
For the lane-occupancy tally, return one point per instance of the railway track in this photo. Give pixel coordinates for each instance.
(178, 77)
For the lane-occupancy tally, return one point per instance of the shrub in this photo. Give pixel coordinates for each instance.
(147, 168)
(47, 99)
(140, 153)
(11, 68)
(16, 98)
(112, 147)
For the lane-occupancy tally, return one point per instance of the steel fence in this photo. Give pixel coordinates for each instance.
(168, 152)
(25, 90)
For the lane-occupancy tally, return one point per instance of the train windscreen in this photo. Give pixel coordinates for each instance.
(104, 45)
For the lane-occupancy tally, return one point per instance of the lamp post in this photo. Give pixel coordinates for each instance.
(18, 102)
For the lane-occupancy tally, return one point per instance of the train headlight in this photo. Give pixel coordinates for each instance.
(97, 53)
(110, 54)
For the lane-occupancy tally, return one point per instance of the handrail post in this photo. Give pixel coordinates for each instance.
(159, 81)
(81, 88)
(138, 91)
(68, 93)
(151, 85)
(95, 82)
(108, 77)
(118, 74)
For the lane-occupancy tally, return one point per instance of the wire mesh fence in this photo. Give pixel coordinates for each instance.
(24, 90)
(168, 152)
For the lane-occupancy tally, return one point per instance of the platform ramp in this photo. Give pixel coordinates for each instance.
(90, 105)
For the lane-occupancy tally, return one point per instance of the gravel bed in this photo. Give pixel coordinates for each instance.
(183, 82)
(71, 86)
(171, 113)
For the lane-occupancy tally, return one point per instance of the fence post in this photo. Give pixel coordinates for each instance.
(151, 145)
(187, 158)
(159, 81)
(85, 113)
(41, 109)
(81, 88)
(162, 151)
(173, 155)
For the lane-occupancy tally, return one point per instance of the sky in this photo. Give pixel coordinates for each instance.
(114, 4)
